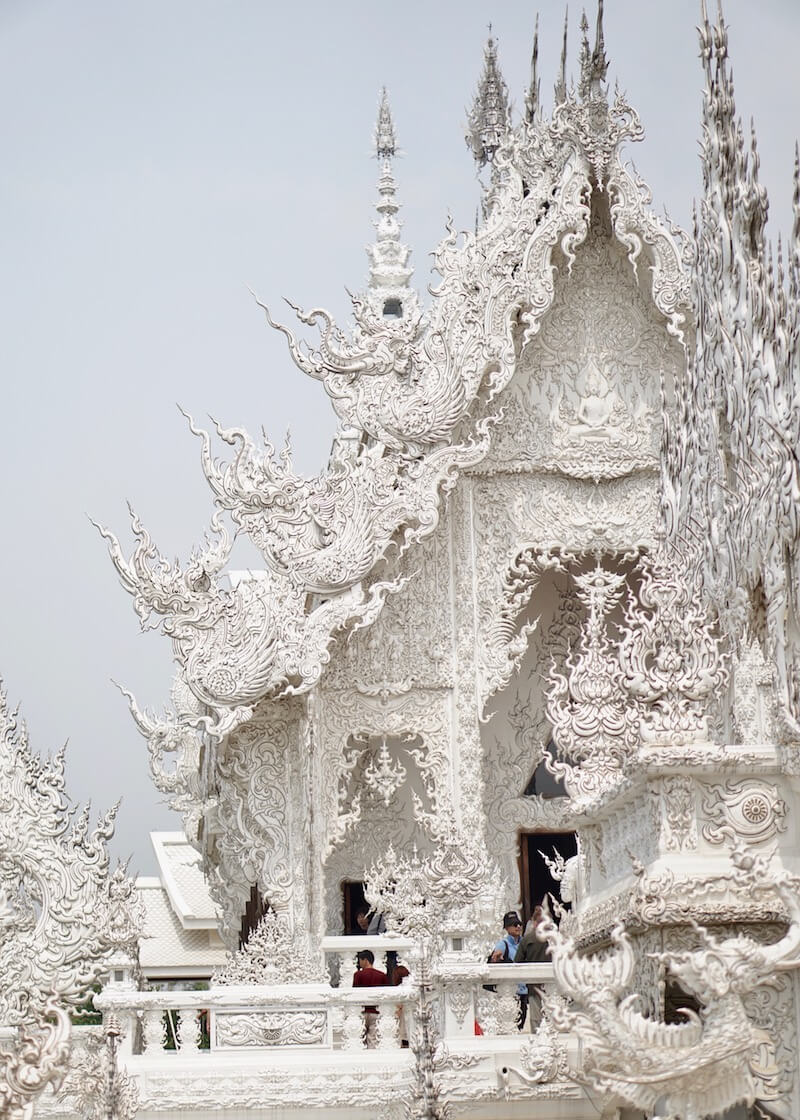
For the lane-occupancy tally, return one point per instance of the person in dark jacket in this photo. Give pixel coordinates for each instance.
(533, 951)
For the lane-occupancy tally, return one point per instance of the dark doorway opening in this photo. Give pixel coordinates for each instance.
(352, 901)
(536, 879)
(255, 909)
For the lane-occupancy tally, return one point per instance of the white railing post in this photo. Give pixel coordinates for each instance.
(487, 1012)
(346, 970)
(388, 1026)
(189, 1030)
(459, 1010)
(507, 1007)
(353, 1028)
(154, 1031)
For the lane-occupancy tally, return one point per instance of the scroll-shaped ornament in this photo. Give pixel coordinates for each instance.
(747, 810)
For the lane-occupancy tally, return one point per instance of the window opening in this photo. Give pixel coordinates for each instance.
(536, 879)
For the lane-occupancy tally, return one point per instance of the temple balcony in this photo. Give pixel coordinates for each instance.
(297, 1048)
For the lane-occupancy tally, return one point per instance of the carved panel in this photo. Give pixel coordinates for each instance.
(269, 1028)
(585, 397)
(748, 810)
(678, 823)
(258, 801)
(420, 718)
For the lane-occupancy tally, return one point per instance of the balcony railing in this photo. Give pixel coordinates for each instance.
(327, 1016)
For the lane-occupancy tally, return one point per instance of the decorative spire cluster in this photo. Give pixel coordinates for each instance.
(488, 120)
(594, 64)
(732, 485)
(389, 293)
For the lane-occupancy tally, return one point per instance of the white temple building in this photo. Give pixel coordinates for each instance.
(180, 943)
(532, 637)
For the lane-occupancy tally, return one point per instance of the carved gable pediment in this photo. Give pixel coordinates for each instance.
(584, 400)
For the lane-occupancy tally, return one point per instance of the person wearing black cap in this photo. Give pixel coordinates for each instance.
(506, 950)
(506, 947)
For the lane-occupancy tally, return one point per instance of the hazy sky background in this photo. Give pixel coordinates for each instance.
(159, 157)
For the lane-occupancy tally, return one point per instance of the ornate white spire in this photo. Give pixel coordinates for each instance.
(389, 293)
(560, 90)
(487, 123)
(732, 465)
(594, 64)
(385, 139)
(532, 96)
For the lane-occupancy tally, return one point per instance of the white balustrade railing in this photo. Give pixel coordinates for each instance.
(304, 1015)
(323, 1015)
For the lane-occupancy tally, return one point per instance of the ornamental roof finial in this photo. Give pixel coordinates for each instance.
(561, 85)
(385, 139)
(532, 96)
(599, 60)
(585, 56)
(594, 64)
(487, 122)
(389, 293)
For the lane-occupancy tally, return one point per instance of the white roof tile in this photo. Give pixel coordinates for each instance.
(182, 876)
(167, 944)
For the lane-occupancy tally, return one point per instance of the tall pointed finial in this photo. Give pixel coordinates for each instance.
(561, 85)
(385, 139)
(487, 122)
(594, 64)
(585, 60)
(532, 96)
(389, 293)
(599, 60)
(794, 250)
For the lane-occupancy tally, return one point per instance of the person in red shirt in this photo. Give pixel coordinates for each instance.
(366, 976)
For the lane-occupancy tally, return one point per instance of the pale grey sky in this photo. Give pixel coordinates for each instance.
(159, 157)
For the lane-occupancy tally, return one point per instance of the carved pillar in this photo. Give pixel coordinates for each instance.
(346, 969)
(507, 1007)
(154, 1031)
(262, 842)
(387, 1027)
(353, 1027)
(189, 1031)
(466, 749)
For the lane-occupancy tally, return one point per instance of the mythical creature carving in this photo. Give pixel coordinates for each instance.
(62, 914)
(56, 892)
(708, 1063)
(237, 646)
(95, 1087)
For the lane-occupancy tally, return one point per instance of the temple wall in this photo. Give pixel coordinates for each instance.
(573, 469)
